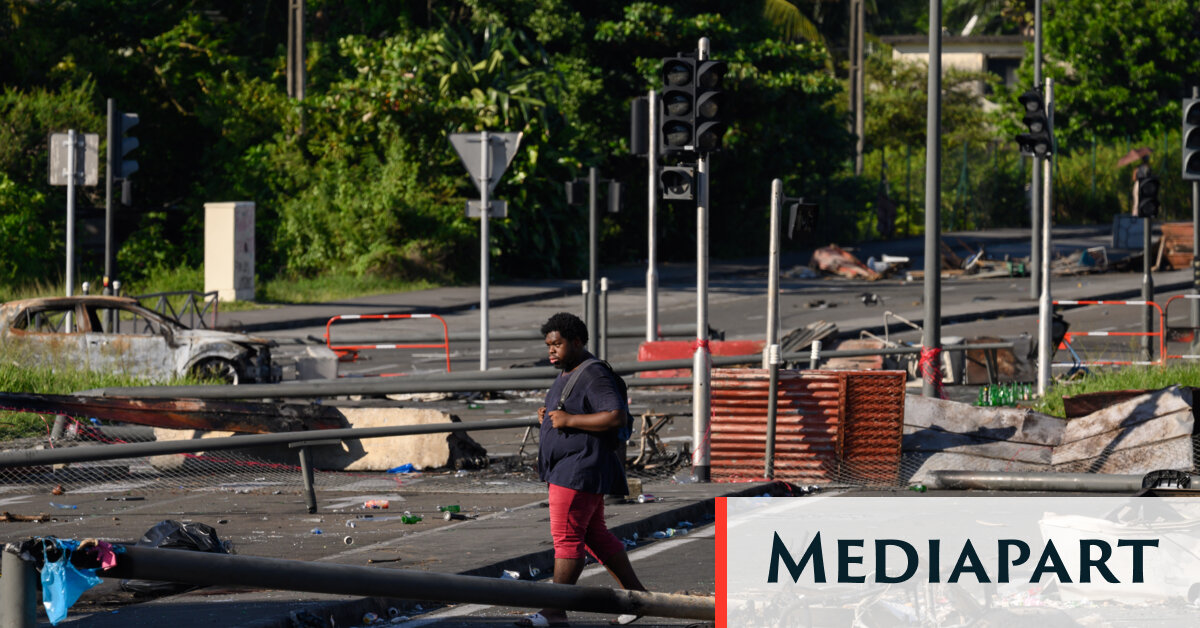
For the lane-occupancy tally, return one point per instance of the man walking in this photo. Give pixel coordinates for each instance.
(580, 457)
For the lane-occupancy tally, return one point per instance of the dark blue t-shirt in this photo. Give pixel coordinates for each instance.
(591, 462)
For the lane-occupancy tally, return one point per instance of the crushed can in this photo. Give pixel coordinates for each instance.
(454, 516)
(646, 498)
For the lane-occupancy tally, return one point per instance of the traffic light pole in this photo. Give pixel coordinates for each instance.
(1045, 304)
(773, 272)
(108, 194)
(593, 315)
(700, 364)
(1035, 196)
(931, 330)
(1195, 303)
(484, 248)
(652, 252)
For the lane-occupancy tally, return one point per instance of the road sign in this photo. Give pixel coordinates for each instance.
(469, 147)
(496, 209)
(87, 168)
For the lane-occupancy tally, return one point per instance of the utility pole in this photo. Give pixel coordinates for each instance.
(931, 329)
(1036, 183)
(857, 90)
(1045, 304)
(295, 50)
(701, 376)
(652, 222)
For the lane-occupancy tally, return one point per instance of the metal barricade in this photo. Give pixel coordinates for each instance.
(349, 352)
(1078, 362)
(1178, 334)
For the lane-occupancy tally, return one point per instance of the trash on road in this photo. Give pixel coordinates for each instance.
(508, 574)
(171, 534)
(835, 260)
(404, 468)
(64, 506)
(376, 504)
(7, 516)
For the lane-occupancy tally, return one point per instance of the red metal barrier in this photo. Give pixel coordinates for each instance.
(1066, 342)
(1177, 334)
(349, 353)
(830, 425)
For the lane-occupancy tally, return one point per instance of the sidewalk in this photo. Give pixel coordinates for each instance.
(515, 538)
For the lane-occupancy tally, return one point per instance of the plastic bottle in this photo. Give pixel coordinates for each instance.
(409, 518)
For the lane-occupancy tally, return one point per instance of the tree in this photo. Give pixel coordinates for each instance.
(1120, 68)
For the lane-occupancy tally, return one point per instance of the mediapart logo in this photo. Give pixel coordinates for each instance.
(920, 560)
(1010, 553)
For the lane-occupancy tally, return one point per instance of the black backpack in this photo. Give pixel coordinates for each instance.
(625, 431)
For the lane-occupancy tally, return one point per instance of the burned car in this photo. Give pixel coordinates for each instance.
(118, 334)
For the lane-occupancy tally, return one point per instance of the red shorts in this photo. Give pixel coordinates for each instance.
(577, 524)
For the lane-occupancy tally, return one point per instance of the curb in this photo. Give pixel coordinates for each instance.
(350, 612)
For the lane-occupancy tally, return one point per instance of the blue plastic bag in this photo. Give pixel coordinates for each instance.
(404, 468)
(62, 582)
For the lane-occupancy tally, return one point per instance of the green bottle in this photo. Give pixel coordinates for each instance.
(450, 508)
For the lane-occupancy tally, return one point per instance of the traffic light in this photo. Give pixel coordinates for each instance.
(639, 126)
(710, 105)
(1191, 139)
(677, 182)
(1039, 141)
(802, 217)
(1147, 193)
(677, 123)
(123, 168)
(577, 192)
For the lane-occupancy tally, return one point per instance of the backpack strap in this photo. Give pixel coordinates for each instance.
(571, 381)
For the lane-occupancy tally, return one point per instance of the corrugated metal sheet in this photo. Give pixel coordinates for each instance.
(830, 425)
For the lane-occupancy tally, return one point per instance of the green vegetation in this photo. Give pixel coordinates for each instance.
(19, 374)
(356, 185)
(1128, 378)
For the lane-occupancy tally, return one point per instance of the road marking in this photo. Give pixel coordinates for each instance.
(634, 556)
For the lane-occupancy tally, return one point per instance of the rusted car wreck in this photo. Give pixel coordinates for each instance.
(117, 334)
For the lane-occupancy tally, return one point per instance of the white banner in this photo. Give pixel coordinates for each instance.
(952, 561)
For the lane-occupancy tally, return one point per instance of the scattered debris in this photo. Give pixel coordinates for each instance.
(127, 498)
(42, 518)
(64, 506)
(508, 574)
(373, 561)
(171, 534)
(802, 338)
(833, 259)
(1137, 435)
(376, 504)
(870, 299)
(57, 490)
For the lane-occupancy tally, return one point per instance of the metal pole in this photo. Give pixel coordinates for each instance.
(701, 377)
(1195, 303)
(1045, 350)
(587, 314)
(593, 245)
(603, 318)
(108, 192)
(814, 356)
(772, 410)
(484, 247)
(652, 252)
(203, 568)
(773, 272)
(510, 379)
(931, 327)
(1037, 481)
(1035, 197)
(18, 590)
(1147, 288)
(859, 97)
(59, 455)
(71, 165)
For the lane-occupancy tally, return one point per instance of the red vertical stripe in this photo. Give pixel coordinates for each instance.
(722, 566)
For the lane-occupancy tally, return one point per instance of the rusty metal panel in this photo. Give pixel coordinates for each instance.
(873, 429)
(830, 425)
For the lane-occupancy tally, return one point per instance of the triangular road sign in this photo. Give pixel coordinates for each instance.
(503, 147)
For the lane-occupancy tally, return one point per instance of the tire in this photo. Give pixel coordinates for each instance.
(219, 369)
